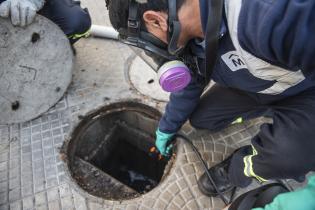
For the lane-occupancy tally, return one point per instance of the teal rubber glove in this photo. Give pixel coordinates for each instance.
(162, 141)
(303, 199)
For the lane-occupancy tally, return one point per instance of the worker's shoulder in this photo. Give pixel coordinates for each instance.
(278, 31)
(275, 11)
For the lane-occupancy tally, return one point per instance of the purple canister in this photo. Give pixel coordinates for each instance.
(174, 76)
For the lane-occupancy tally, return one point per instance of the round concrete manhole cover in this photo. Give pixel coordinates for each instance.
(145, 80)
(36, 69)
(109, 154)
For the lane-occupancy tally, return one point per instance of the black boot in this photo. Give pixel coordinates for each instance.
(219, 174)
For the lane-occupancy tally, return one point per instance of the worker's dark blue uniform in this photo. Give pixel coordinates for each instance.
(69, 16)
(265, 66)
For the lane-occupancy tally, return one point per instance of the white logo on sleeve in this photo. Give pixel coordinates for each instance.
(233, 61)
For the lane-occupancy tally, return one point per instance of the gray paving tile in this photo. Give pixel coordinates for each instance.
(16, 205)
(4, 207)
(3, 198)
(28, 203)
(54, 205)
(40, 198)
(67, 202)
(27, 189)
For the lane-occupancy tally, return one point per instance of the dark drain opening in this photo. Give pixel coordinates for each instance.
(109, 153)
(128, 159)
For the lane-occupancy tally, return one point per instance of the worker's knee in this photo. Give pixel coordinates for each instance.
(198, 121)
(290, 159)
(68, 15)
(79, 22)
(195, 121)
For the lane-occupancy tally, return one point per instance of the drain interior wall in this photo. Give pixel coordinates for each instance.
(93, 134)
(140, 121)
(128, 158)
(101, 127)
(104, 130)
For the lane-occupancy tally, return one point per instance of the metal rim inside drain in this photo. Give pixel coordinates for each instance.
(108, 154)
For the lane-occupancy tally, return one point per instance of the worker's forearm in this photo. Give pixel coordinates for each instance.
(180, 106)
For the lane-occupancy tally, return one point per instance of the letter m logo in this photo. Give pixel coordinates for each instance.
(233, 61)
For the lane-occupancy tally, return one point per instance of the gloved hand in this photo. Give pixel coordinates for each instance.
(22, 12)
(300, 199)
(161, 143)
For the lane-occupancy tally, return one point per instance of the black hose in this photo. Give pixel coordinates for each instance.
(206, 170)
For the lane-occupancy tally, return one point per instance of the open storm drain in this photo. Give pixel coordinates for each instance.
(109, 152)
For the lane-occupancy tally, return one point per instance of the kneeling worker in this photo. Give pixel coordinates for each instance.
(261, 56)
(67, 14)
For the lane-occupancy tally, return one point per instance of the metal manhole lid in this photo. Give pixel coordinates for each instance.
(36, 69)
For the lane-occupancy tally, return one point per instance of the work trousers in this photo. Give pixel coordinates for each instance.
(69, 16)
(281, 150)
(74, 21)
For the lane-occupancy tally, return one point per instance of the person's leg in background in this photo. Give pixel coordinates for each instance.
(284, 149)
(69, 16)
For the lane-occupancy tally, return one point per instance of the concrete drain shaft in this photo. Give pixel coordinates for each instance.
(127, 159)
(111, 156)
